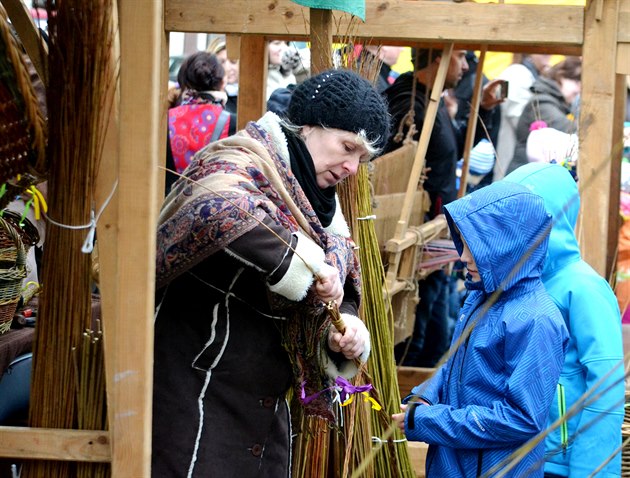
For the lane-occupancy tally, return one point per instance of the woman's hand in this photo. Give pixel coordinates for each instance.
(328, 286)
(353, 342)
(399, 418)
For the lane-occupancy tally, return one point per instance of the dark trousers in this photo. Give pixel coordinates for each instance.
(431, 334)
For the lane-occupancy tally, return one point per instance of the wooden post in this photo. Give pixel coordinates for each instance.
(131, 254)
(472, 121)
(596, 133)
(233, 46)
(321, 40)
(252, 80)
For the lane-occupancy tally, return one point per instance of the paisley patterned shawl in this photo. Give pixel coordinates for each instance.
(238, 181)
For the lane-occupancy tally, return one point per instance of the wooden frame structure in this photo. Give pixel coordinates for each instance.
(600, 32)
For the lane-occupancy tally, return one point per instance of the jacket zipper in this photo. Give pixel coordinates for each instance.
(562, 410)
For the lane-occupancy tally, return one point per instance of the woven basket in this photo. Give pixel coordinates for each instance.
(12, 272)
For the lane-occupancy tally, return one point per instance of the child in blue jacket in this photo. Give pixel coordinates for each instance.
(592, 378)
(494, 392)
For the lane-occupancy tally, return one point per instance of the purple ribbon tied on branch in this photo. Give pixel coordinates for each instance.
(346, 391)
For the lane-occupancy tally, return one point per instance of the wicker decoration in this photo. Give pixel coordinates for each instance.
(12, 272)
(22, 125)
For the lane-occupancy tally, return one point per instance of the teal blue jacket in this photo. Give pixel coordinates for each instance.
(592, 378)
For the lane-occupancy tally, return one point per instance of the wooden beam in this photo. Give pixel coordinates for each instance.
(623, 59)
(55, 444)
(403, 20)
(596, 133)
(141, 144)
(233, 46)
(321, 39)
(253, 85)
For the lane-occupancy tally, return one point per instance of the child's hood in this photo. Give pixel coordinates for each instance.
(559, 191)
(506, 227)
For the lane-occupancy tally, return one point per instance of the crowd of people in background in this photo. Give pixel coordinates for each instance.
(556, 319)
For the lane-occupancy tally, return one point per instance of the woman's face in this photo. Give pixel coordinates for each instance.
(570, 89)
(276, 49)
(230, 67)
(335, 152)
(231, 71)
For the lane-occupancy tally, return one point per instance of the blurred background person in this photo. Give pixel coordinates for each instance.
(520, 75)
(553, 104)
(231, 67)
(199, 116)
(288, 65)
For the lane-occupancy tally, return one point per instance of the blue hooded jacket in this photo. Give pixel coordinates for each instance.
(594, 360)
(494, 392)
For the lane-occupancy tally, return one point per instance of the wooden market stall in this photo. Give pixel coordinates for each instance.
(600, 32)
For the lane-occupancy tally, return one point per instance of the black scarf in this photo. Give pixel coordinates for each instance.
(322, 200)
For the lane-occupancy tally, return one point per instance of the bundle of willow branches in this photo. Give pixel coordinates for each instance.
(91, 398)
(82, 76)
(393, 461)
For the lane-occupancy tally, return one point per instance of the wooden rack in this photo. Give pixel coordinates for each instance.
(600, 32)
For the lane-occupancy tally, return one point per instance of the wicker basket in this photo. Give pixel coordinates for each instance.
(12, 272)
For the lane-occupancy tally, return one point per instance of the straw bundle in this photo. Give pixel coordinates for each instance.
(81, 78)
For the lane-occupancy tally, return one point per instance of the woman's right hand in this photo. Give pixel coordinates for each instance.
(327, 284)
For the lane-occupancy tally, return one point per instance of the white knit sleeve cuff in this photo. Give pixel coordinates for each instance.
(298, 278)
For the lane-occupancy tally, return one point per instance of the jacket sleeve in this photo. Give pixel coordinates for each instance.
(429, 391)
(287, 260)
(533, 353)
(596, 330)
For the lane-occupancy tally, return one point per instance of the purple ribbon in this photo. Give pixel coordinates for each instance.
(344, 388)
(348, 389)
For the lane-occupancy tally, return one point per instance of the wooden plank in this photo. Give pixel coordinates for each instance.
(596, 129)
(233, 46)
(409, 377)
(418, 456)
(55, 444)
(140, 147)
(623, 25)
(252, 105)
(321, 39)
(34, 44)
(623, 59)
(395, 19)
(107, 233)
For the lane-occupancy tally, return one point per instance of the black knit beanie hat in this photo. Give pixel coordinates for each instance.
(344, 100)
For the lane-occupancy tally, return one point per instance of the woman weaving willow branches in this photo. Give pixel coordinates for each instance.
(251, 246)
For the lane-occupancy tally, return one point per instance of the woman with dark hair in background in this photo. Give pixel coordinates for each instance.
(200, 116)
